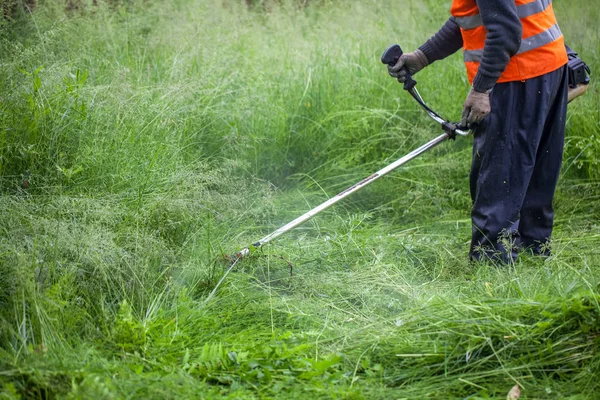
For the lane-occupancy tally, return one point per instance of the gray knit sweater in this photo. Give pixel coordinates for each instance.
(502, 41)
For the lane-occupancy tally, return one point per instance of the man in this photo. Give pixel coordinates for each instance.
(515, 58)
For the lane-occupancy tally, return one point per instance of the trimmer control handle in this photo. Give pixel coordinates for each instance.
(391, 57)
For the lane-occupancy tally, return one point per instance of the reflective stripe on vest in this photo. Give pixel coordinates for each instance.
(530, 43)
(523, 11)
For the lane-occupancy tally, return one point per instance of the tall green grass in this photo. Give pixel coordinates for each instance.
(143, 142)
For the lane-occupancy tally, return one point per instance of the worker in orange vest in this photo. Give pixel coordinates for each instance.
(515, 57)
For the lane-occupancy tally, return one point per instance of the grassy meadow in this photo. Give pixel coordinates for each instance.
(141, 142)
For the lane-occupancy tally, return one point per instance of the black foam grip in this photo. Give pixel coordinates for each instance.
(390, 57)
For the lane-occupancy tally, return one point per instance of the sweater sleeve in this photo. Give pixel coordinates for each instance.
(501, 43)
(444, 43)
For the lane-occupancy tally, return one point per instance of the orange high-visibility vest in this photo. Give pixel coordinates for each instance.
(542, 45)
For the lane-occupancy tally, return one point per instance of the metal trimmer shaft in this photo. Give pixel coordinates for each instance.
(354, 188)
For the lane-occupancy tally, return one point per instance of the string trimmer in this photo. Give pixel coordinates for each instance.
(390, 57)
(451, 130)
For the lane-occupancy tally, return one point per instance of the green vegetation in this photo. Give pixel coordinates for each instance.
(142, 141)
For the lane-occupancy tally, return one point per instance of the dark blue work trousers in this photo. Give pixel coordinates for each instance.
(517, 154)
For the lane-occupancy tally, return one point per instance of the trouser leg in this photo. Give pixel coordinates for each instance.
(496, 179)
(505, 149)
(537, 214)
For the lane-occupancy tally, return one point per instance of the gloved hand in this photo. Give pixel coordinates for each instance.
(476, 107)
(414, 62)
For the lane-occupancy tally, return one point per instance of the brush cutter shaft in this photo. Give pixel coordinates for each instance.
(390, 57)
(577, 91)
(354, 188)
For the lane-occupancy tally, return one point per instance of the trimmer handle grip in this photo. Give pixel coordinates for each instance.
(391, 57)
